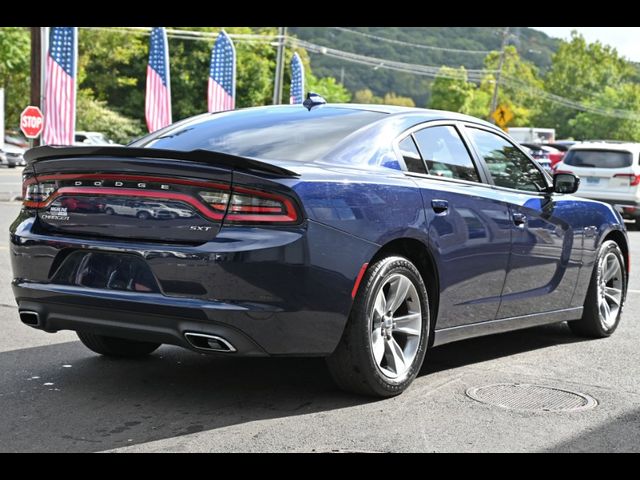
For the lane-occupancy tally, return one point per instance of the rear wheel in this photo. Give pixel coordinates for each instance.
(605, 297)
(109, 211)
(385, 340)
(116, 347)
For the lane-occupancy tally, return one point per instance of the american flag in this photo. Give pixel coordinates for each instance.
(221, 88)
(157, 108)
(297, 80)
(60, 86)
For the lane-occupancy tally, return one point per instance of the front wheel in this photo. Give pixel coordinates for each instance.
(385, 340)
(605, 296)
(116, 347)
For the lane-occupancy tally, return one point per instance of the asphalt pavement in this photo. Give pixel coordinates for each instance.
(10, 183)
(55, 395)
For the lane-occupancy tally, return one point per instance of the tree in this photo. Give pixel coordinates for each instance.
(587, 125)
(94, 115)
(518, 76)
(581, 71)
(327, 87)
(392, 99)
(15, 49)
(451, 91)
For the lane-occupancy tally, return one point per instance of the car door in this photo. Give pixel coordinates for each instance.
(469, 230)
(546, 249)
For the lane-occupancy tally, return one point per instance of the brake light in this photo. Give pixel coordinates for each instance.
(634, 180)
(251, 206)
(34, 194)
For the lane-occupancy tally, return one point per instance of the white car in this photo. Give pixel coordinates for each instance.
(92, 138)
(609, 172)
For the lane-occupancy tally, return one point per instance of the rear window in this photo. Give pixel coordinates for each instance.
(598, 158)
(264, 133)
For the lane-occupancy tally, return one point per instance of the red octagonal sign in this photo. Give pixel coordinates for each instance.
(31, 122)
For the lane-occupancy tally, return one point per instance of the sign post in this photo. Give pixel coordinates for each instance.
(31, 122)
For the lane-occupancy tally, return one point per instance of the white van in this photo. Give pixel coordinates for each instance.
(609, 172)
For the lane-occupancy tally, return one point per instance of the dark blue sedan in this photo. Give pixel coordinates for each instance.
(364, 234)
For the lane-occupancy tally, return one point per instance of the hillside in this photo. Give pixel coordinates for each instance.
(533, 45)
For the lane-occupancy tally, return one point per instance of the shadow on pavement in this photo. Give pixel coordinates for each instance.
(621, 434)
(482, 349)
(98, 403)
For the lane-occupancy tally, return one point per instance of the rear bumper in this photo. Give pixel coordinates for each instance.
(265, 291)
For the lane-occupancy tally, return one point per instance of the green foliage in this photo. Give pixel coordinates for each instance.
(587, 73)
(94, 115)
(390, 98)
(590, 125)
(15, 50)
(452, 94)
(537, 47)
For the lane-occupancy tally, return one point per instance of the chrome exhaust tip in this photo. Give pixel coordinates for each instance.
(30, 318)
(209, 343)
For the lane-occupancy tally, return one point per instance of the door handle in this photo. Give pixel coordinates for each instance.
(440, 206)
(520, 219)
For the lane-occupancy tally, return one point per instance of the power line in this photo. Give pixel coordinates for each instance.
(413, 45)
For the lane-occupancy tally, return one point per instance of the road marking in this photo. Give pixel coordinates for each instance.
(633, 291)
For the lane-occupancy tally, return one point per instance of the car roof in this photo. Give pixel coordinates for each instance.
(606, 145)
(426, 113)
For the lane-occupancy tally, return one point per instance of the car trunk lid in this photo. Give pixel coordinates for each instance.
(134, 193)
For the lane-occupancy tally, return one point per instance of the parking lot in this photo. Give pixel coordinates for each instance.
(55, 395)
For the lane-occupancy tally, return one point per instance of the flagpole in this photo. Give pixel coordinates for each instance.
(277, 84)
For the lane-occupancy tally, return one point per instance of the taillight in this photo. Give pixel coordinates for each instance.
(634, 180)
(34, 194)
(251, 206)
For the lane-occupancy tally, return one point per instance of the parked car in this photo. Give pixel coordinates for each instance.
(364, 234)
(16, 138)
(92, 138)
(14, 156)
(609, 172)
(546, 155)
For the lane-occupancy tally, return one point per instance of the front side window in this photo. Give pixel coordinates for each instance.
(508, 166)
(445, 154)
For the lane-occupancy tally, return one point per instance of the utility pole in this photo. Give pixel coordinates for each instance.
(342, 75)
(277, 84)
(36, 67)
(496, 87)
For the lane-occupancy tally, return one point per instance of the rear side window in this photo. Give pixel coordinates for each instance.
(598, 159)
(444, 153)
(411, 156)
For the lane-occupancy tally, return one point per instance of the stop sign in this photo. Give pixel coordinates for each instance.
(31, 122)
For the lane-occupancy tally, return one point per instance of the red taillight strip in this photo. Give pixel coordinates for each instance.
(129, 192)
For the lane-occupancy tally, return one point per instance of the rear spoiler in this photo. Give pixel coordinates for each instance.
(204, 156)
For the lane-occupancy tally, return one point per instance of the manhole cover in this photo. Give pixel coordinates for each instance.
(524, 396)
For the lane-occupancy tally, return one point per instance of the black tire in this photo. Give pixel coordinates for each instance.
(143, 215)
(11, 166)
(109, 211)
(591, 324)
(352, 364)
(116, 347)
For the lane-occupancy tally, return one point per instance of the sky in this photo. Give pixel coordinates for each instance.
(625, 39)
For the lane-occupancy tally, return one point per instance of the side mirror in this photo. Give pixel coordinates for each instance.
(565, 183)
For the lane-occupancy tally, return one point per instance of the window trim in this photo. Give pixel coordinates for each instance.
(480, 169)
(548, 180)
